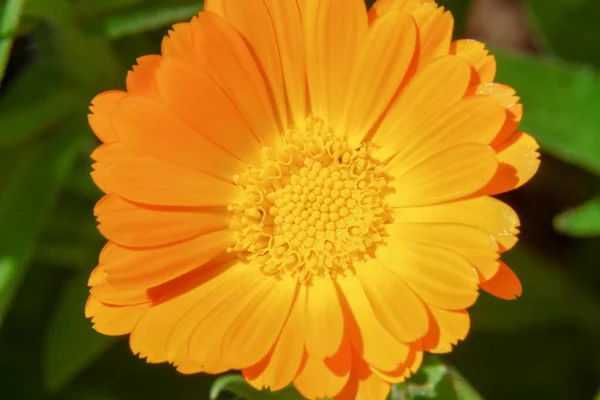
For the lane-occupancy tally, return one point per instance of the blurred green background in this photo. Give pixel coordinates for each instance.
(57, 54)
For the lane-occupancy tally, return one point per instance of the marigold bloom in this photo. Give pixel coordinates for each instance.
(301, 190)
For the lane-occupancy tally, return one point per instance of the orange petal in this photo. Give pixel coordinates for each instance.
(220, 52)
(377, 345)
(503, 94)
(283, 365)
(151, 334)
(99, 181)
(380, 7)
(287, 23)
(397, 307)
(474, 244)
(203, 106)
(102, 108)
(475, 119)
(506, 98)
(323, 314)
(477, 55)
(334, 30)
(149, 127)
(111, 152)
(253, 334)
(435, 31)
(416, 363)
(113, 320)
(363, 384)
(519, 161)
(439, 276)
(457, 172)
(486, 213)
(384, 56)
(434, 25)
(98, 275)
(318, 380)
(424, 99)
(188, 367)
(119, 297)
(142, 80)
(514, 114)
(253, 21)
(137, 225)
(204, 298)
(156, 182)
(453, 327)
(371, 388)
(505, 284)
(105, 155)
(157, 265)
(198, 336)
(254, 374)
(412, 364)
(179, 42)
(139, 293)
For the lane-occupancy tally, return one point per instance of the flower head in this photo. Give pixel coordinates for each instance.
(301, 190)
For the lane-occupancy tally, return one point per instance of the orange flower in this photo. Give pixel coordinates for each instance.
(301, 190)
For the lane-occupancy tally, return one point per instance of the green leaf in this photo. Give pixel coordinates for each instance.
(46, 109)
(90, 8)
(70, 343)
(30, 187)
(435, 380)
(561, 104)
(70, 238)
(24, 117)
(74, 46)
(237, 385)
(569, 28)
(583, 221)
(9, 22)
(82, 57)
(72, 255)
(463, 388)
(148, 18)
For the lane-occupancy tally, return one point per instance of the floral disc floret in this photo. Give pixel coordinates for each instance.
(314, 206)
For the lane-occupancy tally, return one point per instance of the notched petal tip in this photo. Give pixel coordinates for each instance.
(505, 284)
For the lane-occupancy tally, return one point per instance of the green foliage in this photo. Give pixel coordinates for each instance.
(568, 28)
(581, 221)
(435, 380)
(145, 19)
(55, 100)
(561, 103)
(70, 345)
(236, 385)
(9, 19)
(93, 8)
(41, 169)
